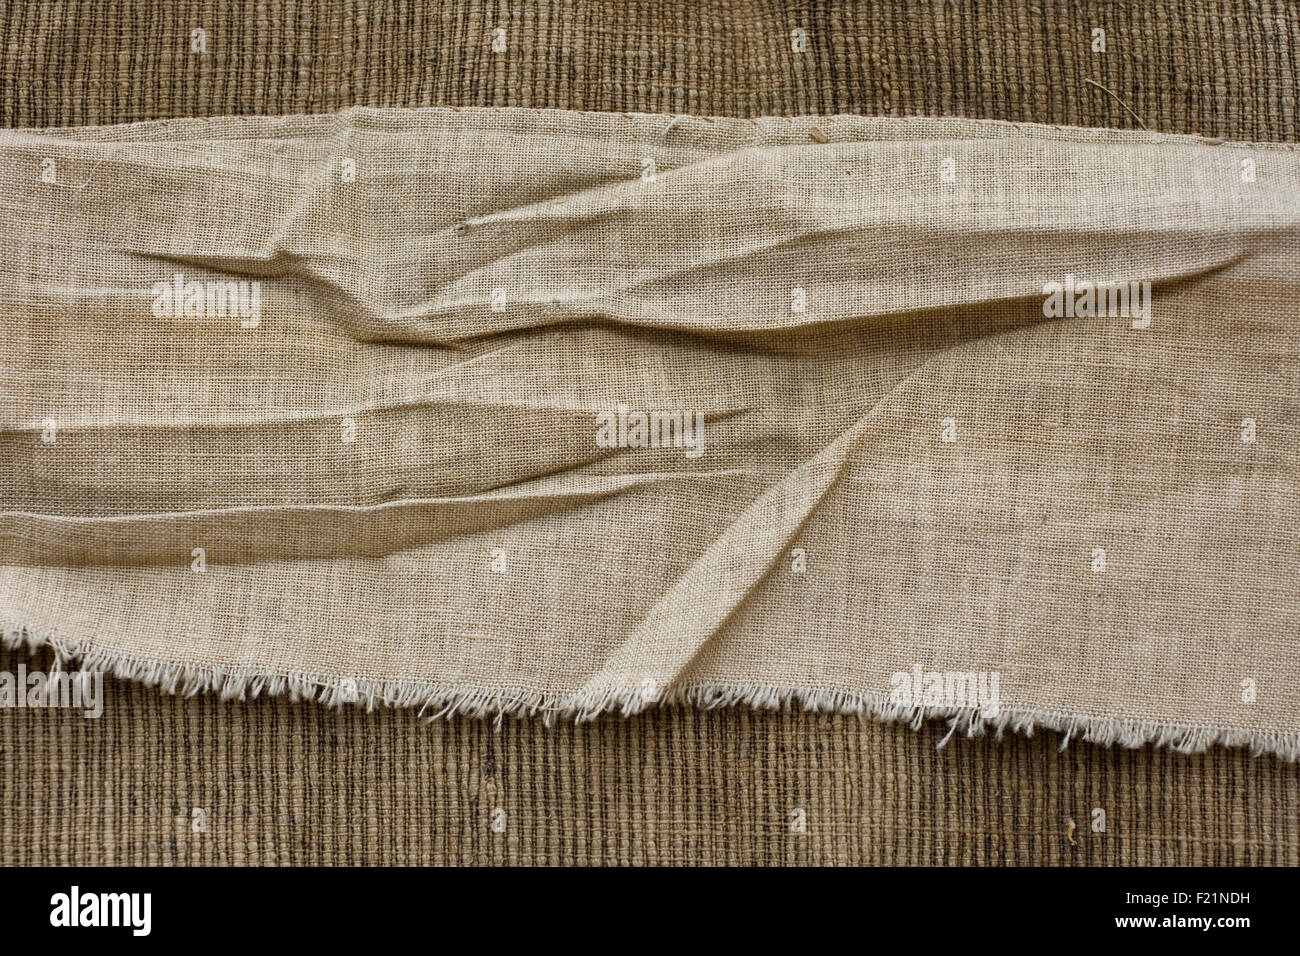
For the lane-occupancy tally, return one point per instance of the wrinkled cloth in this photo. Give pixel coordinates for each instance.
(407, 468)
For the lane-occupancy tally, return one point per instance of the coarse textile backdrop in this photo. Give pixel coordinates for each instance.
(1216, 69)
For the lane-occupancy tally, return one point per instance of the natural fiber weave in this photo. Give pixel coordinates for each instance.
(1219, 68)
(671, 410)
(671, 784)
(163, 779)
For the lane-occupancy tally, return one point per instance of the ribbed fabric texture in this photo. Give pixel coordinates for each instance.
(280, 783)
(293, 783)
(1205, 66)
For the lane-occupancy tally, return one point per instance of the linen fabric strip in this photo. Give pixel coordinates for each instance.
(403, 462)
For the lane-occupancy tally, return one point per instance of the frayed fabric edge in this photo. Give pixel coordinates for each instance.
(436, 701)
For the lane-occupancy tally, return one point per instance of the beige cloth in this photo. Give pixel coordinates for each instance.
(387, 478)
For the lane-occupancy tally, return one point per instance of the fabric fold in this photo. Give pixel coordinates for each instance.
(552, 413)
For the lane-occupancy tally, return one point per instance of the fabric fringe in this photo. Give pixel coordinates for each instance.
(449, 700)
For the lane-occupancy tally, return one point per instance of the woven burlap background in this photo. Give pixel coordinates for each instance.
(673, 785)
(1217, 68)
(278, 783)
